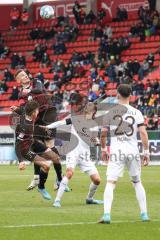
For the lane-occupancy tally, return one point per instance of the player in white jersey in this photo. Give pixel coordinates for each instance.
(80, 155)
(124, 123)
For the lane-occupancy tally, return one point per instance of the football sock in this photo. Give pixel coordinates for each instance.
(36, 169)
(62, 188)
(42, 180)
(58, 169)
(92, 190)
(57, 166)
(141, 196)
(108, 197)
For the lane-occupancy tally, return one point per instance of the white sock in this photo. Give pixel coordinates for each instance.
(36, 177)
(62, 188)
(141, 196)
(108, 197)
(92, 189)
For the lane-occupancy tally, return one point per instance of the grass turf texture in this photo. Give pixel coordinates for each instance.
(19, 207)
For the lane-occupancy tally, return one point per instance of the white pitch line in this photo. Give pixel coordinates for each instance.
(46, 225)
(68, 224)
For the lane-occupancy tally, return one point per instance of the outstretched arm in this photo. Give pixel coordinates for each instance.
(59, 123)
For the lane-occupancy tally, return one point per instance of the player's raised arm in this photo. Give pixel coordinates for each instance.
(144, 139)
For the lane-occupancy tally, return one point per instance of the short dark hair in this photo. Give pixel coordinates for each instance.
(30, 107)
(124, 90)
(75, 99)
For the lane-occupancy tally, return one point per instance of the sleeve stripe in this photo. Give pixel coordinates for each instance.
(140, 124)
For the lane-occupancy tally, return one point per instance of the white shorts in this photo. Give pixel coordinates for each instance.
(81, 157)
(117, 165)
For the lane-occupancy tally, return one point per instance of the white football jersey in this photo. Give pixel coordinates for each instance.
(81, 143)
(123, 124)
(81, 129)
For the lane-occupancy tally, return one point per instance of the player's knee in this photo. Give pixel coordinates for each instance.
(69, 173)
(135, 179)
(46, 168)
(96, 180)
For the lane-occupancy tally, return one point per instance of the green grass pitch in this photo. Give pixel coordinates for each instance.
(26, 216)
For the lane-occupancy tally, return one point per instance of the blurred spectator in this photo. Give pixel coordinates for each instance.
(143, 12)
(22, 61)
(46, 84)
(107, 32)
(8, 76)
(138, 30)
(136, 67)
(143, 70)
(76, 12)
(45, 61)
(38, 84)
(25, 16)
(49, 33)
(89, 58)
(52, 86)
(37, 54)
(57, 66)
(14, 60)
(14, 15)
(37, 33)
(3, 86)
(152, 122)
(39, 51)
(78, 70)
(124, 14)
(138, 88)
(150, 59)
(133, 30)
(59, 48)
(58, 98)
(4, 51)
(98, 32)
(92, 96)
(101, 15)
(95, 85)
(62, 21)
(94, 73)
(111, 73)
(121, 14)
(40, 76)
(77, 57)
(90, 18)
(14, 94)
(56, 77)
(82, 16)
(156, 86)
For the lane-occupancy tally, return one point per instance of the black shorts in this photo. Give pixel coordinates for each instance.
(38, 147)
(27, 150)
